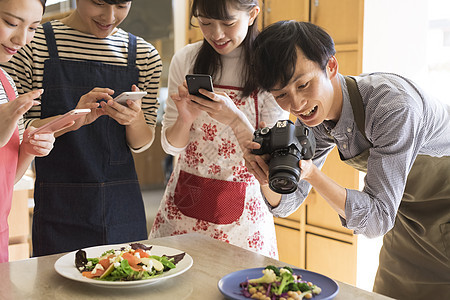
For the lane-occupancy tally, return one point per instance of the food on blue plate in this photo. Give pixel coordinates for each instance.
(134, 262)
(279, 284)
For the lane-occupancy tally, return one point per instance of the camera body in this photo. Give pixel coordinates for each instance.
(287, 144)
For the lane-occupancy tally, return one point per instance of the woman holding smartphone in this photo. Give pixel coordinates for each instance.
(87, 192)
(210, 190)
(19, 20)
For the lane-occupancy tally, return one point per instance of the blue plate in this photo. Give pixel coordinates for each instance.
(229, 284)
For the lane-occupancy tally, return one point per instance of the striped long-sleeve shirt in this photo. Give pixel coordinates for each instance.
(27, 66)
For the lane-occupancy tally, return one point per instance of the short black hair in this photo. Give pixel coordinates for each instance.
(116, 1)
(275, 51)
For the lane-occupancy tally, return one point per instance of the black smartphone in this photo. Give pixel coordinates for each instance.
(199, 81)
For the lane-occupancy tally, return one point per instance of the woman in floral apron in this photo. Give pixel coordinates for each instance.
(15, 157)
(210, 190)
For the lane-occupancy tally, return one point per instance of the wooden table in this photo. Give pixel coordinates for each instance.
(36, 278)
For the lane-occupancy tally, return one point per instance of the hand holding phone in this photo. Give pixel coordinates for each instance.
(199, 81)
(62, 121)
(133, 96)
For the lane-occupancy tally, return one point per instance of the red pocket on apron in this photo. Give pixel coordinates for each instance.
(213, 200)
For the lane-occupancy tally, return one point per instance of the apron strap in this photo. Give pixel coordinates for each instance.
(256, 110)
(357, 105)
(7, 86)
(131, 50)
(50, 38)
(53, 49)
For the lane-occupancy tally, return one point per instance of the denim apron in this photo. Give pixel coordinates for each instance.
(9, 155)
(86, 192)
(414, 259)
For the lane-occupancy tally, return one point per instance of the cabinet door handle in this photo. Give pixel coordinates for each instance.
(316, 2)
(267, 5)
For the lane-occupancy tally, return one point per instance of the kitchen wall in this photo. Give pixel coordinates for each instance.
(179, 23)
(394, 41)
(153, 21)
(412, 38)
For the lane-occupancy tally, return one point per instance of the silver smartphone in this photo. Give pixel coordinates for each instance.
(122, 98)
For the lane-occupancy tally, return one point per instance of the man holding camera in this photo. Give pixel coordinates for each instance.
(382, 124)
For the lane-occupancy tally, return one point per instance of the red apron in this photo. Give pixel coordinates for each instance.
(9, 155)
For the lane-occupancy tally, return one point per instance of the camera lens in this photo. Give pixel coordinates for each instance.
(283, 183)
(284, 173)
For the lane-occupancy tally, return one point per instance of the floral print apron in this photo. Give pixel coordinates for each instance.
(211, 191)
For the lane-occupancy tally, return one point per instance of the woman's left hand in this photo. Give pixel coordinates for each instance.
(39, 144)
(124, 115)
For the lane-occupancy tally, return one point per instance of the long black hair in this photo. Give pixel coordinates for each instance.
(43, 4)
(208, 61)
(275, 51)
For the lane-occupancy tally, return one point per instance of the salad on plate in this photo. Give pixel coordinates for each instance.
(279, 284)
(133, 262)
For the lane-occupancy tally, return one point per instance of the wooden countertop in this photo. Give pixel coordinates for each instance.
(36, 278)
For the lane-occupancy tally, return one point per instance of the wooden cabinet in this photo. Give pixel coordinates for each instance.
(343, 20)
(19, 226)
(193, 32)
(271, 12)
(293, 243)
(278, 10)
(332, 257)
(150, 164)
(325, 246)
(291, 237)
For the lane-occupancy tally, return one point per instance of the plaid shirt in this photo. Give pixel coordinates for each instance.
(401, 122)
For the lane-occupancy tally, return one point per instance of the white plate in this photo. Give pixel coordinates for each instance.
(65, 266)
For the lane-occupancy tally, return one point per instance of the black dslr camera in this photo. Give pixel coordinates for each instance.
(287, 144)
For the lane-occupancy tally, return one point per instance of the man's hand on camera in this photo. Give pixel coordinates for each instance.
(308, 169)
(257, 164)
